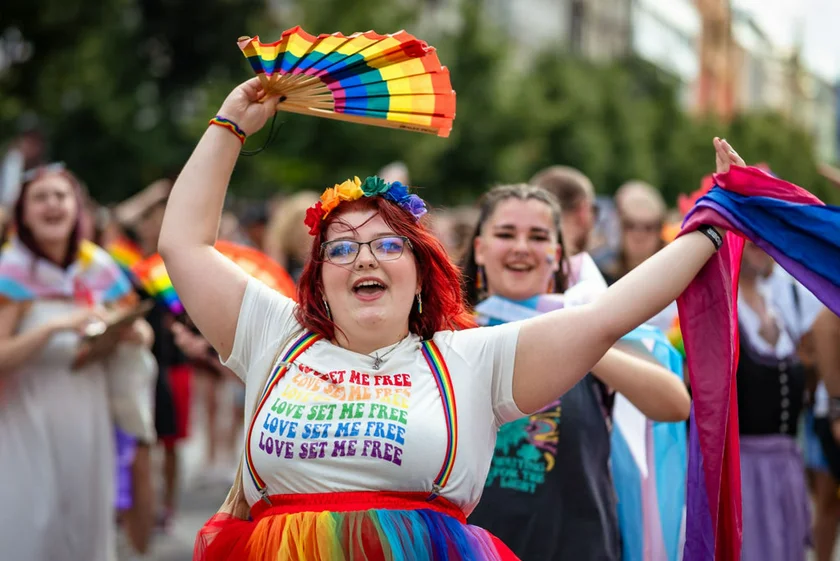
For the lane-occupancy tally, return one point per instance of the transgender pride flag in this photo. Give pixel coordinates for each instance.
(803, 236)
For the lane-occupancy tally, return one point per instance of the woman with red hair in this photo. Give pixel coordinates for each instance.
(373, 434)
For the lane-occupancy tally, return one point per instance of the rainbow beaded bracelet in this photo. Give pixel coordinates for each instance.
(229, 125)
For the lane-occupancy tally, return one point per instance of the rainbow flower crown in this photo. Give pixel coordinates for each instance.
(353, 189)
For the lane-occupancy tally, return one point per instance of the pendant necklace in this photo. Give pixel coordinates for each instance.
(377, 359)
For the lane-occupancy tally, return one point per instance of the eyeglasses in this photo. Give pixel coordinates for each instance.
(345, 252)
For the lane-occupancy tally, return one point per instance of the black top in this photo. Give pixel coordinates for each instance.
(549, 495)
(771, 392)
(167, 354)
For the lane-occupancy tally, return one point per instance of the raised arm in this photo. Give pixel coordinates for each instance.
(556, 350)
(209, 285)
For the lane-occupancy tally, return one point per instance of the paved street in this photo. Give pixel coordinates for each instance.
(200, 497)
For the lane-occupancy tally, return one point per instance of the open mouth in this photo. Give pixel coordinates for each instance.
(519, 267)
(53, 219)
(369, 287)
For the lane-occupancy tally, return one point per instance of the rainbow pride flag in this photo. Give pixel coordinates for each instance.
(154, 279)
(126, 253)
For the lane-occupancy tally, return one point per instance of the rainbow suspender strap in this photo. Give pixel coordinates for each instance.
(442, 378)
(440, 371)
(304, 342)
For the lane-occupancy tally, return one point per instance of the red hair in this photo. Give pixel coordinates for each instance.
(440, 280)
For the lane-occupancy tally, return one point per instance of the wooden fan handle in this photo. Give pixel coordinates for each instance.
(360, 119)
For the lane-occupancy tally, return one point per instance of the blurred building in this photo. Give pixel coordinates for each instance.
(595, 29)
(767, 77)
(667, 34)
(762, 74)
(837, 122)
(742, 69)
(816, 110)
(715, 88)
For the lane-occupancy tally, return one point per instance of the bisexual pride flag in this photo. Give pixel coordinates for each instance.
(803, 235)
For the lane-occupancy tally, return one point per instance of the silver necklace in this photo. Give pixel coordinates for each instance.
(377, 359)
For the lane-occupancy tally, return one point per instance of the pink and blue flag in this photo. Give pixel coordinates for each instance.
(803, 235)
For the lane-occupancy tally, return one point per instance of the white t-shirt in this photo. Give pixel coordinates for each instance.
(335, 424)
(794, 320)
(585, 281)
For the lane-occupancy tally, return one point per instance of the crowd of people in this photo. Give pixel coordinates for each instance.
(443, 387)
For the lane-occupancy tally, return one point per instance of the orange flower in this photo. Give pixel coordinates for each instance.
(330, 200)
(350, 190)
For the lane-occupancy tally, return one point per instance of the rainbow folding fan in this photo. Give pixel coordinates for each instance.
(393, 80)
(155, 280)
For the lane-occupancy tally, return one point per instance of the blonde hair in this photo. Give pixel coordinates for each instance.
(570, 186)
(635, 196)
(286, 235)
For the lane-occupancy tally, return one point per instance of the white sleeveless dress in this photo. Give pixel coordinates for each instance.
(56, 453)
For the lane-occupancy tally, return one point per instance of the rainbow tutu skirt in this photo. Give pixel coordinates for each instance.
(363, 526)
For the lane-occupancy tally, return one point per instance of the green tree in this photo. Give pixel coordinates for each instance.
(126, 88)
(116, 80)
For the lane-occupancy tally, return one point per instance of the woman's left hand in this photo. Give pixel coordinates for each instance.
(725, 156)
(139, 333)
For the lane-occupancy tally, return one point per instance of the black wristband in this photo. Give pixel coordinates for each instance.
(712, 234)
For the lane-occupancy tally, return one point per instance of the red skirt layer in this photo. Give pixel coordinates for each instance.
(359, 526)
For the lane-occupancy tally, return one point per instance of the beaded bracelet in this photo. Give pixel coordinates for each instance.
(712, 234)
(220, 121)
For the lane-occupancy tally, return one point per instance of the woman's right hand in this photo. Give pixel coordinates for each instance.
(248, 107)
(76, 321)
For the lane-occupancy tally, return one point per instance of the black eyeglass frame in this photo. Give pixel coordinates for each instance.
(324, 245)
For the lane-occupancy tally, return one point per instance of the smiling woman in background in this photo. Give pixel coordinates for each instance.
(550, 494)
(56, 433)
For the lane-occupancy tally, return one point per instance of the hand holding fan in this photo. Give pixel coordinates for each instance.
(393, 81)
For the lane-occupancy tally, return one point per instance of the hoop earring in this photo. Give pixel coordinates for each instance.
(480, 279)
(327, 306)
(419, 303)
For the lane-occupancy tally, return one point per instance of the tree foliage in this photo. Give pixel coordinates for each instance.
(125, 88)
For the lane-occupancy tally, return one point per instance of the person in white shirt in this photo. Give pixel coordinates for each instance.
(374, 434)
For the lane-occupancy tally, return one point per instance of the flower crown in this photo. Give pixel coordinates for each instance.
(353, 189)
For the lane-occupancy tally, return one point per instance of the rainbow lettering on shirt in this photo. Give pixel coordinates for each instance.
(297, 349)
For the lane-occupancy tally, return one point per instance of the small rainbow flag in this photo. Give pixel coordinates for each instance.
(152, 275)
(156, 282)
(125, 252)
